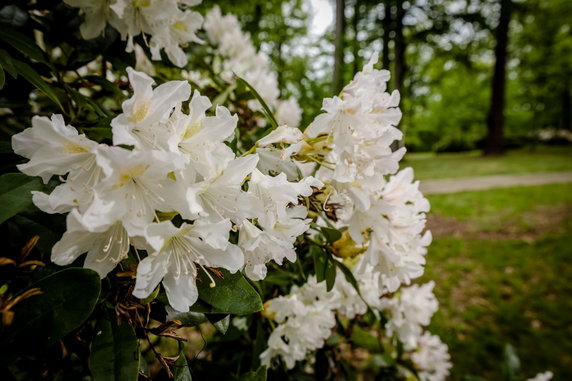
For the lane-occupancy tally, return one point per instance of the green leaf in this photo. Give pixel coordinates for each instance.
(23, 43)
(7, 63)
(105, 84)
(190, 318)
(181, 371)
(365, 340)
(114, 351)
(324, 266)
(35, 79)
(231, 295)
(2, 77)
(67, 301)
(15, 193)
(348, 274)
(259, 375)
(220, 322)
(331, 235)
(265, 107)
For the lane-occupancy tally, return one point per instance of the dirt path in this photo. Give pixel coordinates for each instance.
(497, 181)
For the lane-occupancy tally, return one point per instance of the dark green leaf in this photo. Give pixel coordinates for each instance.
(67, 300)
(348, 274)
(259, 375)
(15, 193)
(220, 322)
(7, 64)
(331, 235)
(181, 371)
(2, 77)
(23, 43)
(34, 78)
(330, 273)
(365, 340)
(320, 258)
(114, 352)
(232, 294)
(265, 107)
(190, 318)
(105, 84)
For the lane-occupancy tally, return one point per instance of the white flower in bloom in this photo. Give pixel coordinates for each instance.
(221, 196)
(289, 112)
(241, 58)
(168, 22)
(278, 159)
(106, 245)
(410, 311)
(431, 359)
(137, 182)
(279, 220)
(201, 137)
(544, 376)
(306, 321)
(392, 228)
(175, 254)
(96, 16)
(53, 148)
(143, 122)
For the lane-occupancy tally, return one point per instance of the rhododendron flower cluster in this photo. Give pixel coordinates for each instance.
(118, 198)
(175, 196)
(169, 23)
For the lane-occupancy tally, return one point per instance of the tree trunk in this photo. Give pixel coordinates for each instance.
(495, 120)
(400, 46)
(566, 109)
(338, 81)
(386, 26)
(355, 44)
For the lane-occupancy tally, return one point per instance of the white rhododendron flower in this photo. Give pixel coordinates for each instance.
(242, 58)
(175, 254)
(431, 358)
(143, 121)
(544, 376)
(410, 311)
(169, 23)
(53, 148)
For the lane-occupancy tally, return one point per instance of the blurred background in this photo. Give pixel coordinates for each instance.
(486, 91)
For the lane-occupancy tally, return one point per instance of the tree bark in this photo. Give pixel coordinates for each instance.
(386, 26)
(338, 81)
(495, 120)
(355, 44)
(400, 46)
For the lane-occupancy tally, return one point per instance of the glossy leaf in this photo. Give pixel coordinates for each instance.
(265, 107)
(15, 193)
(23, 43)
(67, 301)
(114, 351)
(331, 235)
(231, 295)
(220, 322)
(181, 371)
(35, 79)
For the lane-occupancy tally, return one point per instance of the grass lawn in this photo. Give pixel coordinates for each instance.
(469, 164)
(502, 263)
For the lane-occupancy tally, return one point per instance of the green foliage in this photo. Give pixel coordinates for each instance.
(114, 351)
(67, 299)
(231, 295)
(15, 193)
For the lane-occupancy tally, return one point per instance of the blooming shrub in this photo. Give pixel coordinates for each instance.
(192, 199)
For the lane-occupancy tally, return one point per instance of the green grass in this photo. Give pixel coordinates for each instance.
(469, 164)
(494, 290)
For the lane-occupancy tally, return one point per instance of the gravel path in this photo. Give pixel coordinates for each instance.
(497, 181)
